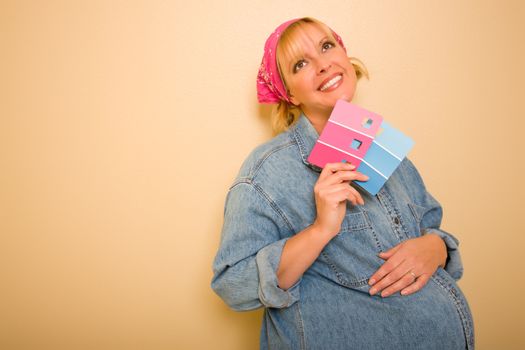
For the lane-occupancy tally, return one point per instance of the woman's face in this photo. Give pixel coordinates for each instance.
(322, 75)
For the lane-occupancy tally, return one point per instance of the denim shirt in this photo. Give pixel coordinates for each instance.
(329, 307)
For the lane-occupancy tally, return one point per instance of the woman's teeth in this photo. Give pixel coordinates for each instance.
(330, 83)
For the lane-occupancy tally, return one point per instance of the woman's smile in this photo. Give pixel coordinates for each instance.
(331, 83)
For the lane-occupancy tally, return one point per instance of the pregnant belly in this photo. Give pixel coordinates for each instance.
(336, 317)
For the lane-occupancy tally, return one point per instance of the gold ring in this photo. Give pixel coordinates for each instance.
(413, 274)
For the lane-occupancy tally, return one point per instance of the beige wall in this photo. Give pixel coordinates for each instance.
(122, 123)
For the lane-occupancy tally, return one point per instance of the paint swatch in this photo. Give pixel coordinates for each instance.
(362, 138)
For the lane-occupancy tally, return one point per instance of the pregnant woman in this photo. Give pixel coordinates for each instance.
(333, 266)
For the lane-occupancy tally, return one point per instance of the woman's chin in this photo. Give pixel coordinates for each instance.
(344, 97)
(347, 97)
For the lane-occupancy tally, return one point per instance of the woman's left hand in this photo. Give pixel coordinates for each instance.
(409, 265)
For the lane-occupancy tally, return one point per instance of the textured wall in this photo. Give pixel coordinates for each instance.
(122, 123)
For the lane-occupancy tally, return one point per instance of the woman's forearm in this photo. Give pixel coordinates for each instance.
(298, 254)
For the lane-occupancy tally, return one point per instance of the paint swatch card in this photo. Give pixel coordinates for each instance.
(362, 138)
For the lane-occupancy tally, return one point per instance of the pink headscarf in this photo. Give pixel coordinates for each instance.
(270, 87)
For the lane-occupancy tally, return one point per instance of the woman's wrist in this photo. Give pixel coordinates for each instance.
(442, 248)
(320, 235)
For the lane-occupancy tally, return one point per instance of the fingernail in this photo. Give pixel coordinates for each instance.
(371, 281)
(404, 292)
(373, 291)
(384, 295)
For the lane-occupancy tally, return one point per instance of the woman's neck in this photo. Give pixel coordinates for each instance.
(318, 120)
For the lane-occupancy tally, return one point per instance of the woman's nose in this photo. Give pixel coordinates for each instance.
(323, 66)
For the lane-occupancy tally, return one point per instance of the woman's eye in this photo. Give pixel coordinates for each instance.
(328, 45)
(299, 65)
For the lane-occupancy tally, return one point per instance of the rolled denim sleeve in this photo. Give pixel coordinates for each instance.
(430, 215)
(245, 267)
(453, 266)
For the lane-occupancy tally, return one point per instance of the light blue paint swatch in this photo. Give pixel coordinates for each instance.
(383, 157)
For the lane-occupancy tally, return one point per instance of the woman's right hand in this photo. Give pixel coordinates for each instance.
(332, 190)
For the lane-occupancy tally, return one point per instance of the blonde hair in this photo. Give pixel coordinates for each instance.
(286, 114)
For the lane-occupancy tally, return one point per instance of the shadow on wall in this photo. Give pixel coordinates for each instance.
(264, 113)
(245, 326)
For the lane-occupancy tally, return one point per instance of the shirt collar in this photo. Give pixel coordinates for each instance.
(306, 136)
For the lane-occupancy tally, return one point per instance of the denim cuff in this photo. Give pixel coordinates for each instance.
(268, 259)
(453, 266)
